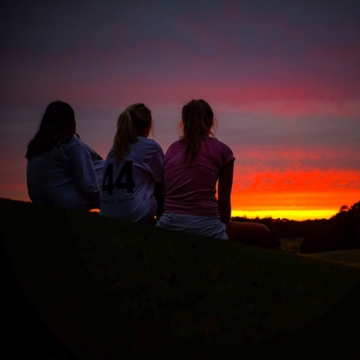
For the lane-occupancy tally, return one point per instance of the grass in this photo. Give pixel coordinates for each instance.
(194, 287)
(292, 245)
(342, 257)
(187, 289)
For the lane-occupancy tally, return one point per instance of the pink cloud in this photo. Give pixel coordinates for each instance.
(297, 181)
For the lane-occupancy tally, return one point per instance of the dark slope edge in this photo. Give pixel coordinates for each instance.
(79, 286)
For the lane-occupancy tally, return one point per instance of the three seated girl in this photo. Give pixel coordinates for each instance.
(136, 176)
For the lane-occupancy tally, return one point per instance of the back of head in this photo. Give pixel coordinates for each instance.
(57, 126)
(197, 121)
(134, 121)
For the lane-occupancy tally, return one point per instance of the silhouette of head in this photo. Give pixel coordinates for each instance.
(59, 119)
(57, 126)
(134, 121)
(197, 121)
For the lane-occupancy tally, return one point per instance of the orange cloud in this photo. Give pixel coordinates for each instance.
(296, 195)
(288, 181)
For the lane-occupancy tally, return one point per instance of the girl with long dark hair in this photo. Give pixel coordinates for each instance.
(62, 170)
(193, 166)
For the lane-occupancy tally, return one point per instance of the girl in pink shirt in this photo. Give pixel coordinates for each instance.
(192, 167)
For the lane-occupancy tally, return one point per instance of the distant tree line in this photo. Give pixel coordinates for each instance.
(340, 232)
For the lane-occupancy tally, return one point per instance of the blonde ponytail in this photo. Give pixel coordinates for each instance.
(131, 123)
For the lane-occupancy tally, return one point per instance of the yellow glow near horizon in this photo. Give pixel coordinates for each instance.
(302, 205)
(287, 214)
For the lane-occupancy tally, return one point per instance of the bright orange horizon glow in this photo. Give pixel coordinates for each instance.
(301, 195)
(298, 215)
(292, 206)
(294, 213)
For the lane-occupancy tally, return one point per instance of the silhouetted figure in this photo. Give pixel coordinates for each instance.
(62, 170)
(132, 182)
(192, 167)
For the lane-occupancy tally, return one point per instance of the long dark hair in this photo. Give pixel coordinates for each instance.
(197, 120)
(57, 126)
(131, 123)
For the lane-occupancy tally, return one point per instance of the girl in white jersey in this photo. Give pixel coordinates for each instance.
(133, 172)
(193, 166)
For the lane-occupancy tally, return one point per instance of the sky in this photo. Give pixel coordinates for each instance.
(282, 77)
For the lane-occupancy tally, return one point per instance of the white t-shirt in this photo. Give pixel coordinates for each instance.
(66, 176)
(128, 188)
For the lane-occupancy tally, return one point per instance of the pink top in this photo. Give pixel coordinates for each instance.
(191, 189)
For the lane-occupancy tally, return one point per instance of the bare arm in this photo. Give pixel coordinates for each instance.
(224, 191)
(244, 232)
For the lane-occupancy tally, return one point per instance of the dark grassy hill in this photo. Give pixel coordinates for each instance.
(114, 290)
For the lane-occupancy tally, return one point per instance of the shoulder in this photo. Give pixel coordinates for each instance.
(217, 144)
(76, 144)
(73, 143)
(77, 150)
(224, 147)
(145, 151)
(148, 145)
(148, 142)
(224, 150)
(175, 146)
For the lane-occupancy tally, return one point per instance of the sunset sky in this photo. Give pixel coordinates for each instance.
(282, 77)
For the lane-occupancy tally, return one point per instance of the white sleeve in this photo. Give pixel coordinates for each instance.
(82, 167)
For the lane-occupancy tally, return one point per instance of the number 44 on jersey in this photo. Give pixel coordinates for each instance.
(125, 172)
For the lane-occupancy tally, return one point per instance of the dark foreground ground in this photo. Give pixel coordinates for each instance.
(25, 336)
(110, 332)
